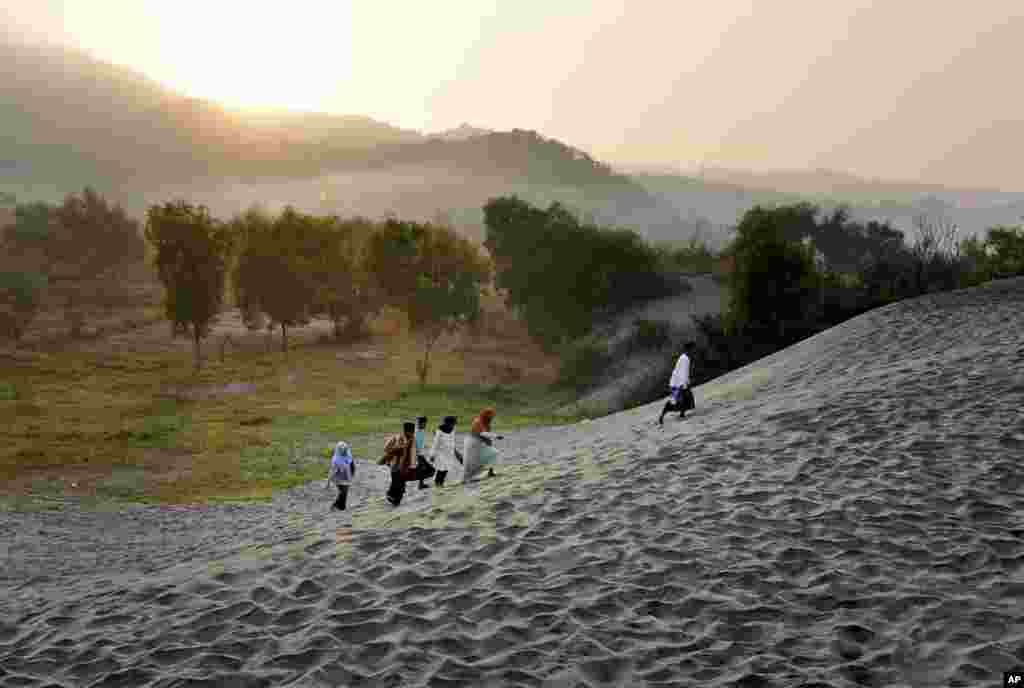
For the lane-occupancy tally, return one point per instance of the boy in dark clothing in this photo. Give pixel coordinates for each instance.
(682, 397)
(400, 455)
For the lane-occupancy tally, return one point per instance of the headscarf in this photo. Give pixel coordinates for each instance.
(482, 423)
(342, 455)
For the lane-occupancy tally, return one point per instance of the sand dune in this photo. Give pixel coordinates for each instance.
(847, 512)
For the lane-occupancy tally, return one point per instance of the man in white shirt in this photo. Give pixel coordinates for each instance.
(679, 385)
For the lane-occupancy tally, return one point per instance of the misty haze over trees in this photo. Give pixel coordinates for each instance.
(69, 121)
(807, 250)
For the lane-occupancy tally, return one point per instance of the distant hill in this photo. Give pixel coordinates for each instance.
(717, 198)
(70, 120)
(70, 116)
(824, 182)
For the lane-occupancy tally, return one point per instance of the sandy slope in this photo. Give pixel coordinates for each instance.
(849, 511)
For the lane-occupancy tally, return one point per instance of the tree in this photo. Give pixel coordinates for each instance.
(999, 254)
(346, 291)
(561, 274)
(774, 288)
(936, 253)
(450, 273)
(89, 240)
(78, 246)
(193, 250)
(432, 274)
(1004, 246)
(275, 268)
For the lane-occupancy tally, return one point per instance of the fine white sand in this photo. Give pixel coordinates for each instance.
(847, 512)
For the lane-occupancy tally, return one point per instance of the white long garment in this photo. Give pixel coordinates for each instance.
(681, 373)
(442, 451)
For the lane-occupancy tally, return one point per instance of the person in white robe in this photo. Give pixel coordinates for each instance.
(443, 453)
(681, 398)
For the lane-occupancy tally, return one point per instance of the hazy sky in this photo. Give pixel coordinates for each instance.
(912, 89)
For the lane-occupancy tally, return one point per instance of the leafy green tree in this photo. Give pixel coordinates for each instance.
(192, 251)
(561, 274)
(253, 221)
(450, 273)
(430, 273)
(1004, 247)
(393, 258)
(775, 285)
(275, 268)
(346, 289)
(999, 254)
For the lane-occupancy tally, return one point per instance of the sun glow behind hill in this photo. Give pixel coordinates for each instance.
(261, 58)
(303, 56)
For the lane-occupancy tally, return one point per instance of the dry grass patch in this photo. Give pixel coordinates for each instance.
(126, 419)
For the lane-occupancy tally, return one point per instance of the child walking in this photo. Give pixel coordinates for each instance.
(343, 470)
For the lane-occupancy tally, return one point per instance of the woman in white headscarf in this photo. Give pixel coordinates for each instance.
(343, 469)
(443, 453)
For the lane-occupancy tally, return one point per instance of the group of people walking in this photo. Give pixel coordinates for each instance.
(409, 460)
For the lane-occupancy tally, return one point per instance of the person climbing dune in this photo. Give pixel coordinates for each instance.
(341, 474)
(443, 453)
(400, 456)
(681, 398)
(479, 449)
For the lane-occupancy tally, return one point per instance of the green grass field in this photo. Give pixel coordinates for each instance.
(111, 423)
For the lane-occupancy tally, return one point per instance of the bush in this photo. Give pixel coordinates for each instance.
(1000, 254)
(582, 363)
